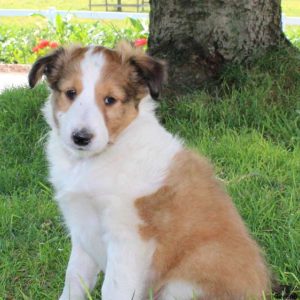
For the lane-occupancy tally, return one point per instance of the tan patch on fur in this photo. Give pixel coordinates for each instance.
(65, 74)
(69, 77)
(200, 235)
(120, 81)
(63, 103)
(62, 69)
(118, 117)
(65, 69)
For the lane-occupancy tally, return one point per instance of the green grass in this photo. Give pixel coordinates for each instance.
(291, 7)
(250, 129)
(293, 34)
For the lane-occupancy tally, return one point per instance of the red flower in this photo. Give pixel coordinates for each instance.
(35, 49)
(53, 45)
(43, 43)
(140, 42)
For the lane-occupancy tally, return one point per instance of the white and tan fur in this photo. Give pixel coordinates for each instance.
(138, 206)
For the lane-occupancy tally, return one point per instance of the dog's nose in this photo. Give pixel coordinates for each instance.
(82, 137)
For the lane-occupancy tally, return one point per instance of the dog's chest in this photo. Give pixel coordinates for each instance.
(97, 195)
(97, 201)
(107, 176)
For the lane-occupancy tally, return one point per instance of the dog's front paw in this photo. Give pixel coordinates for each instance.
(67, 296)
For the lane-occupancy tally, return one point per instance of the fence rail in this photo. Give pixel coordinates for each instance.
(139, 5)
(290, 20)
(52, 12)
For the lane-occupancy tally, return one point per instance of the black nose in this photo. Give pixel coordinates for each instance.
(82, 137)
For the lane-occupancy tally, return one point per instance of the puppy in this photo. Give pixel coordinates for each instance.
(138, 205)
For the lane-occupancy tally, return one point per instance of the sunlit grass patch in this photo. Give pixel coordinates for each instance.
(249, 127)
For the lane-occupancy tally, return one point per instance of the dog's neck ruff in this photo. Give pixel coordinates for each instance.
(140, 156)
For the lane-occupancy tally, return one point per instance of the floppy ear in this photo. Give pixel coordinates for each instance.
(152, 71)
(44, 66)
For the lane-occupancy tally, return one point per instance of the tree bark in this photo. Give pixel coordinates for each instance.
(197, 37)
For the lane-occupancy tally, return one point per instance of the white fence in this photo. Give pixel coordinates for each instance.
(52, 12)
(290, 20)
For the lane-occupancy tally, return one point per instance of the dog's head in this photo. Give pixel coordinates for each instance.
(95, 91)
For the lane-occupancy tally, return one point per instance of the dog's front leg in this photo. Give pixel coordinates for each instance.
(81, 274)
(127, 270)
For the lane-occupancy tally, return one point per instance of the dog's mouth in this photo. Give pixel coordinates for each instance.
(86, 151)
(81, 148)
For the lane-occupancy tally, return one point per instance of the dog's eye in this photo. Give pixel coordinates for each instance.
(109, 101)
(71, 94)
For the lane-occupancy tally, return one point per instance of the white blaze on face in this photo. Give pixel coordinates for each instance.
(84, 114)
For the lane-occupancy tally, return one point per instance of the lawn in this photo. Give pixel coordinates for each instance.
(249, 128)
(290, 7)
(59, 4)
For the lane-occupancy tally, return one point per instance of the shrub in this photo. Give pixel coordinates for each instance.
(24, 45)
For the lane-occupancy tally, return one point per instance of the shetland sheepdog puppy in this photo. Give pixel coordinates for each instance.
(139, 206)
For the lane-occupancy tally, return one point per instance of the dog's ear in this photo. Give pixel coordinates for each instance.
(45, 66)
(152, 71)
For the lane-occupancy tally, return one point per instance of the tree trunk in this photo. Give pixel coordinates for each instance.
(197, 37)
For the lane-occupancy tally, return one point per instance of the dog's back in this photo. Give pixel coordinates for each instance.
(201, 240)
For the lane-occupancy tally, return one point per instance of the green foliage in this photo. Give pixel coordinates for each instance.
(293, 33)
(249, 127)
(18, 40)
(291, 7)
(17, 43)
